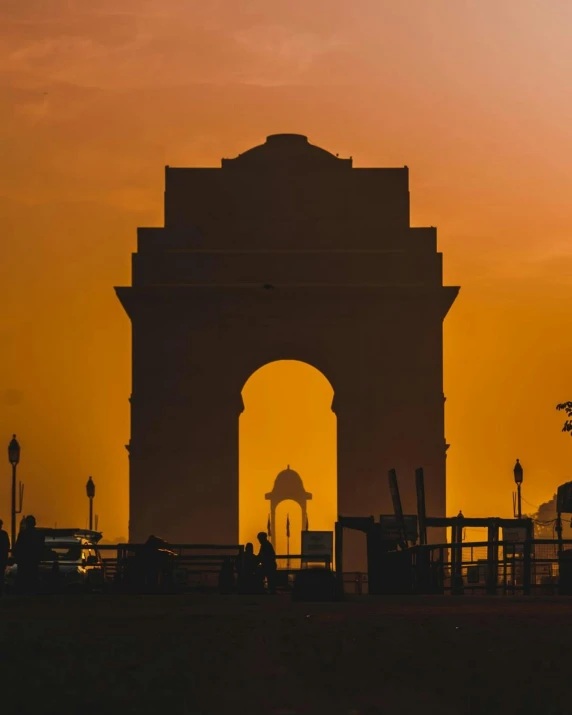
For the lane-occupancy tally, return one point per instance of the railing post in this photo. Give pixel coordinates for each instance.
(526, 564)
(527, 560)
(492, 557)
(339, 547)
(457, 558)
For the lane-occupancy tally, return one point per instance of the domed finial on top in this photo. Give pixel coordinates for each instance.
(288, 485)
(293, 150)
(289, 138)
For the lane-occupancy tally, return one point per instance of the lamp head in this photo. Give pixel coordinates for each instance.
(14, 451)
(518, 472)
(90, 488)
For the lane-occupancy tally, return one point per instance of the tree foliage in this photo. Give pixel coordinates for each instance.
(567, 407)
(545, 521)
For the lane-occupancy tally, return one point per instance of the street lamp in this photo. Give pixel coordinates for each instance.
(518, 477)
(14, 459)
(90, 491)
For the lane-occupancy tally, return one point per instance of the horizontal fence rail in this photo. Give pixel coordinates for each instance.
(180, 567)
(540, 566)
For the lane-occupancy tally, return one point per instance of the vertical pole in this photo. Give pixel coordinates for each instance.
(440, 575)
(492, 557)
(288, 541)
(527, 559)
(339, 551)
(90, 513)
(421, 515)
(374, 561)
(397, 508)
(563, 586)
(519, 501)
(453, 556)
(559, 532)
(273, 539)
(13, 505)
(456, 557)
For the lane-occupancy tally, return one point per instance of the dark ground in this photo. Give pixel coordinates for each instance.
(190, 655)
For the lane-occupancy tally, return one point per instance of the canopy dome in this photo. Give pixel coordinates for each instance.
(291, 149)
(288, 485)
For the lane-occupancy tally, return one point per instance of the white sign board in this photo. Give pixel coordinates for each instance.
(516, 535)
(317, 543)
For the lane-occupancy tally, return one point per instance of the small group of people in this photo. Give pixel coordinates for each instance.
(254, 569)
(27, 554)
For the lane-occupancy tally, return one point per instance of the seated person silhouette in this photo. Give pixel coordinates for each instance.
(251, 578)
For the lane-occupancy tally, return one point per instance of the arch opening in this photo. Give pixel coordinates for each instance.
(288, 513)
(287, 428)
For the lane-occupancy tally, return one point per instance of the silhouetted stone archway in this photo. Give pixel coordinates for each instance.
(285, 252)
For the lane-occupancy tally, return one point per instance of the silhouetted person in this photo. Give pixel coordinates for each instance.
(251, 579)
(157, 562)
(267, 561)
(28, 553)
(4, 551)
(152, 562)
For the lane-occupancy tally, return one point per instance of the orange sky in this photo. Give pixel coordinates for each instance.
(96, 97)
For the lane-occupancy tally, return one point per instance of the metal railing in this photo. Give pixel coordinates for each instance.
(189, 566)
(507, 567)
(541, 566)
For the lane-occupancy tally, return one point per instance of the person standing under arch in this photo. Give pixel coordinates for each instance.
(267, 561)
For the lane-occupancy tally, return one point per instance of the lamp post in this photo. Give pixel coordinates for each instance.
(14, 459)
(518, 477)
(90, 490)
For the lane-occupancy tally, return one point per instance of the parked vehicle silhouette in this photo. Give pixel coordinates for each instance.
(70, 562)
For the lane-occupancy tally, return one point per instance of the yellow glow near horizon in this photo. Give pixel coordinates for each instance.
(287, 420)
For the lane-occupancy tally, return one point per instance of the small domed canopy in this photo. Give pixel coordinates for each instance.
(289, 149)
(288, 485)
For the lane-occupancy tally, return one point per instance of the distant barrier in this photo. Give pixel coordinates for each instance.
(541, 566)
(506, 567)
(187, 567)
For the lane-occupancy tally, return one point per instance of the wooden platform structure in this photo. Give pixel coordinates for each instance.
(400, 558)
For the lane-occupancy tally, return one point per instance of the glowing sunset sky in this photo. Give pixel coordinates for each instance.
(97, 96)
